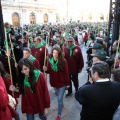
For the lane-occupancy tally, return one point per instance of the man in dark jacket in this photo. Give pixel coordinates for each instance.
(18, 48)
(100, 99)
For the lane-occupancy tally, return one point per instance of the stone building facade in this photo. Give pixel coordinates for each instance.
(21, 12)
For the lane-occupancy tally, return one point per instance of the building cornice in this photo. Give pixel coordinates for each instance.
(28, 5)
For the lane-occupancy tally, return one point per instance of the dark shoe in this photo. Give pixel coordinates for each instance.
(69, 94)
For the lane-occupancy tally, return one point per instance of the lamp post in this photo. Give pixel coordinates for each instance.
(2, 33)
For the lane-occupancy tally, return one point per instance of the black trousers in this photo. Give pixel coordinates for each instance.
(74, 79)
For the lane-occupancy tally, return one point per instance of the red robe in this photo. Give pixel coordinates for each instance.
(75, 62)
(60, 78)
(5, 109)
(33, 103)
(76, 39)
(36, 64)
(39, 54)
(7, 82)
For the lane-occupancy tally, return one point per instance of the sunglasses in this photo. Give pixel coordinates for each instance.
(70, 41)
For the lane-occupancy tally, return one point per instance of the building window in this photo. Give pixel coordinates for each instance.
(32, 18)
(45, 18)
(101, 16)
(90, 16)
(15, 19)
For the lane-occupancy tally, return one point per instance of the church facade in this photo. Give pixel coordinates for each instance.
(28, 12)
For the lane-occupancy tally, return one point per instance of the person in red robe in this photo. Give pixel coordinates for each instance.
(59, 76)
(27, 54)
(74, 57)
(6, 111)
(38, 51)
(33, 86)
(74, 35)
(11, 90)
(85, 38)
(59, 41)
(8, 83)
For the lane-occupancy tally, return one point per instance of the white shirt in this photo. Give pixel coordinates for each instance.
(103, 80)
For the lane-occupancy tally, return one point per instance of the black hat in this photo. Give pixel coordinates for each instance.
(96, 46)
(99, 40)
(100, 53)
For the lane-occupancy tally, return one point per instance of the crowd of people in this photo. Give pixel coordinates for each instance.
(25, 60)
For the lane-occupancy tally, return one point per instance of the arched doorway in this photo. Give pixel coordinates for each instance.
(101, 16)
(90, 16)
(45, 18)
(15, 19)
(32, 18)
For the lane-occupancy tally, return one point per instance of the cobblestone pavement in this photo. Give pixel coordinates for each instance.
(72, 108)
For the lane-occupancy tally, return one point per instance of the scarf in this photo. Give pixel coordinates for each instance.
(31, 58)
(54, 65)
(40, 45)
(32, 44)
(27, 83)
(8, 30)
(71, 49)
(60, 43)
(43, 42)
(55, 39)
(74, 35)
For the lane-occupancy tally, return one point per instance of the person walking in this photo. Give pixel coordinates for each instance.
(38, 51)
(35, 95)
(74, 57)
(27, 54)
(59, 76)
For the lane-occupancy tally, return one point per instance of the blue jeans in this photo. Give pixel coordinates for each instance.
(17, 118)
(60, 93)
(31, 117)
(116, 115)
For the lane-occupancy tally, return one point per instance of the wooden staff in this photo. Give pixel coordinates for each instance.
(116, 53)
(28, 43)
(12, 49)
(45, 54)
(13, 56)
(9, 61)
(49, 37)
